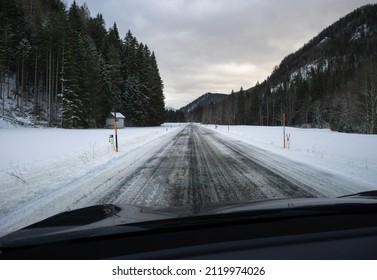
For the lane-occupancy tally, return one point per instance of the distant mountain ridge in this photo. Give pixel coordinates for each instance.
(203, 100)
(329, 82)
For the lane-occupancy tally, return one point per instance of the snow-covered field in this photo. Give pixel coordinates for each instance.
(38, 163)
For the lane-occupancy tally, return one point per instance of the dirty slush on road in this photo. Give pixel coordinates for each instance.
(199, 167)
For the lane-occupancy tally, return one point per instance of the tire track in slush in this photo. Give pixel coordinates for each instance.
(199, 167)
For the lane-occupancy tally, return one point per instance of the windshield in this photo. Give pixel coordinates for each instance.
(180, 106)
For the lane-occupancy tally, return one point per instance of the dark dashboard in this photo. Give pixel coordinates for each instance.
(345, 231)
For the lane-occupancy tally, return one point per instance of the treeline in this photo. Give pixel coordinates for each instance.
(72, 69)
(329, 82)
(175, 116)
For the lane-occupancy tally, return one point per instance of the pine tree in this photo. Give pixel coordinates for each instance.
(75, 101)
(113, 60)
(71, 103)
(129, 58)
(133, 102)
(140, 67)
(241, 113)
(156, 95)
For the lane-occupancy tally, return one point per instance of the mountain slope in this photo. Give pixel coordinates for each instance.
(194, 110)
(329, 82)
(203, 100)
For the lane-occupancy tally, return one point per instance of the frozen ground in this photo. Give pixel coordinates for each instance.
(46, 171)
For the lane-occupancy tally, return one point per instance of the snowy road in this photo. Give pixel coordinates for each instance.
(188, 166)
(197, 167)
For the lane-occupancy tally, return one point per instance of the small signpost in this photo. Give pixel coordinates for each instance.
(286, 137)
(116, 131)
(283, 121)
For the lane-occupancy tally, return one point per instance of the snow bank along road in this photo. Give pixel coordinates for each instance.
(188, 167)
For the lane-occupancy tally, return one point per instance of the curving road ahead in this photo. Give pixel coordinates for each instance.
(200, 165)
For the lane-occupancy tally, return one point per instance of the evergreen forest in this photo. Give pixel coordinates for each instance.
(68, 70)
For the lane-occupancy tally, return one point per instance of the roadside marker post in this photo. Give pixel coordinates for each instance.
(111, 141)
(284, 146)
(116, 131)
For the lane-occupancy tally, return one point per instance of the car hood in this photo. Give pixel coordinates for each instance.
(112, 219)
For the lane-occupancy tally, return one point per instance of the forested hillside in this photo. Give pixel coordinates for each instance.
(330, 82)
(64, 67)
(195, 108)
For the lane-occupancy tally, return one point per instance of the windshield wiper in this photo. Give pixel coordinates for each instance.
(79, 217)
(367, 194)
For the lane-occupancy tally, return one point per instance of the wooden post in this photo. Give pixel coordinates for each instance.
(284, 130)
(116, 131)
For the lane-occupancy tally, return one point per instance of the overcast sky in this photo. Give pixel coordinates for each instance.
(219, 45)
